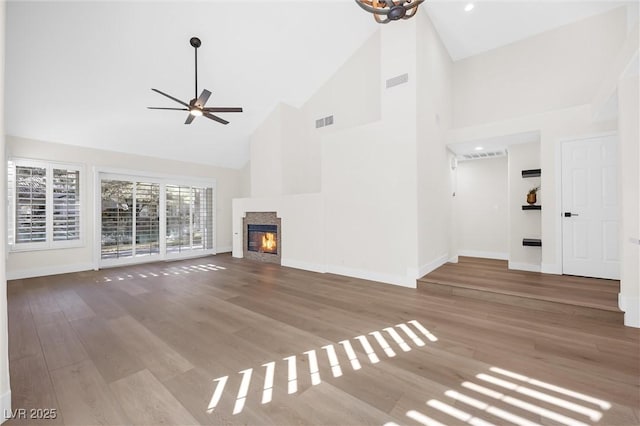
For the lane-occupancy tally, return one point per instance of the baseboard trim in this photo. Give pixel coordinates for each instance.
(5, 406)
(398, 280)
(631, 315)
(484, 254)
(306, 266)
(524, 267)
(551, 268)
(428, 267)
(224, 249)
(453, 259)
(48, 270)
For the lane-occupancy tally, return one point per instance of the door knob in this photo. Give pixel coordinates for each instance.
(569, 214)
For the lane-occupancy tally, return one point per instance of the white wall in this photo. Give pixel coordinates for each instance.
(365, 164)
(368, 162)
(21, 264)
(488, 107)
(368, 181)
(524, 223)
(352, 93)
(554, 127)
(482, 204)
(629, 148)
(369, 177)
(245, 180)
(5, 388)
(265, 157)
(433, 119)
(351, 96)
(302, 235)
(550, 71)
(286, 150)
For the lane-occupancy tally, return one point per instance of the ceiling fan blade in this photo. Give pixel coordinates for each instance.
(203, 98)
(189, 119)
(223, 109)
(214, 118)
(171, 109)
(171, 97)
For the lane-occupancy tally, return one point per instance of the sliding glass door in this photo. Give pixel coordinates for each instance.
(189, 218)
(147, 223)
(153, 220)
(117, 219)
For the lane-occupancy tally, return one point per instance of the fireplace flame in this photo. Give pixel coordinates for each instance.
(268, 241)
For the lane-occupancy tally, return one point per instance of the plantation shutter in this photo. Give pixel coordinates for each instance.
(31, 204)
(66, 205)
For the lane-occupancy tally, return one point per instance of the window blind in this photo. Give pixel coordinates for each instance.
(66, 205)
(147, 218)
(30, 204)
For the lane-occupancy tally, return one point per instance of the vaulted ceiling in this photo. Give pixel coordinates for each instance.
(80, 73)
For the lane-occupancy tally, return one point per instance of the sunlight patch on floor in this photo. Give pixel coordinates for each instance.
(333, 360)
(312, 358)
(541, 402)
(355, 363)
(217, 393)
(423, 418)
(267, 394)
(171, 270)
(293, 375)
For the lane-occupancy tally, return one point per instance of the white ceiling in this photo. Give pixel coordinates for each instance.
(80, 73)
(494, 23)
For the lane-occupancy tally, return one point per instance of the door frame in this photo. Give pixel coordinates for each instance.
(559, 269)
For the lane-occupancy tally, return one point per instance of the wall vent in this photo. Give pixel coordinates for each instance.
(323, 122)
(482, 155)
(398, 80)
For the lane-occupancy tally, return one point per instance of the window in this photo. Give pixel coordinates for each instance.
(117, 219)
(44, 205)
(189, 218)
(154, 218)
(147, 219)
(66, 205)
(123, 234)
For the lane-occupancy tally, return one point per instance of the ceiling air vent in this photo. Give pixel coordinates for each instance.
(396, 81)
(482, 155)
(319, 123)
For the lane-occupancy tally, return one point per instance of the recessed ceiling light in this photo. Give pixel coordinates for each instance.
(469, 7)
(479, 148)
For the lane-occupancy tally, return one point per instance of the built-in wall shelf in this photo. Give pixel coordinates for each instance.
(531, 173)
(531, 207)
(532, 242)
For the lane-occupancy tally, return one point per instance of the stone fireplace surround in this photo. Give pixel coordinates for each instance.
(262, 218)
(300, 213)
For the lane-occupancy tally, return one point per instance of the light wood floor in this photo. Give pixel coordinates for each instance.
(226, 341)
(490, 279)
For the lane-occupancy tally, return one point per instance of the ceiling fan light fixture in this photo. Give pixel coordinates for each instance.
(385, 11)
(197, 106)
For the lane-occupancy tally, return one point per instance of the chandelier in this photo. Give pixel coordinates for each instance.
(390, 10)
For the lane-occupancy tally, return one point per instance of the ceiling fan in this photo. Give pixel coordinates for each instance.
(196, 106)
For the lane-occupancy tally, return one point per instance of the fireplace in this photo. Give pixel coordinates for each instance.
(262, 236)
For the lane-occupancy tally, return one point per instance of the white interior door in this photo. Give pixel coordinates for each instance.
(590, 208)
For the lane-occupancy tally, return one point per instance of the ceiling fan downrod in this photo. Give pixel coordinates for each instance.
(195, 42)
